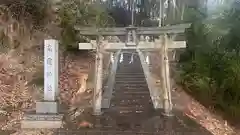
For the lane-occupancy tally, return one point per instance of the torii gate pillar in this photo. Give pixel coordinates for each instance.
(165, 76)
(97, 97)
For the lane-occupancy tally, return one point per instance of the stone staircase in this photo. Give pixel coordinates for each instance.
(131, 111)
(130, 99)
(131, 94)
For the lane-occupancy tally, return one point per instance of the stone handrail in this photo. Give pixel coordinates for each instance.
(110, 82)
(154, 91)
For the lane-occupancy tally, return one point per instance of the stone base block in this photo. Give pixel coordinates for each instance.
(157, 102)
(47, 107)
(36, 121)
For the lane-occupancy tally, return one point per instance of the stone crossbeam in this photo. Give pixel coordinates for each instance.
(141, 45)
(173, 29)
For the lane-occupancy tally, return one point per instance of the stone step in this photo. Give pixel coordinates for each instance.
(137, 67)
(126, 59)
(131, 92)
(136, 64)
(133, 101)
(122, 81)
(134, 69)
(131, 87)
(132, 72)
(130, 109)
(135, 86)
(143, 80)
(130, 78)
(130, 103)
(126, 104)
(128, 112)
(127, 68)
(127, 63)
(127, 97)
(129, 75)
(127, 101)
(141, 101)
(123, 74)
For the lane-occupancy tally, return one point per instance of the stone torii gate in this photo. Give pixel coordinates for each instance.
(135, 40)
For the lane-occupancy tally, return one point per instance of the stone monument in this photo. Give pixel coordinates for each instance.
(46, 115)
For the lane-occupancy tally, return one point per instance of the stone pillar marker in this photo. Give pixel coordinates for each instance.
(46, 115)
(50, 70)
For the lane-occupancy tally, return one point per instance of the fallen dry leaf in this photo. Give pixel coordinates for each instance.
(85, 124)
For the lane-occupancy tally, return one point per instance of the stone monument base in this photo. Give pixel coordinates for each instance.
(49, 121)
(45, 116)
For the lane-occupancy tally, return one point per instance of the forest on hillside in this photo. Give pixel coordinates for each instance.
(210, 66)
